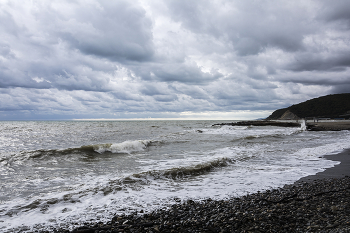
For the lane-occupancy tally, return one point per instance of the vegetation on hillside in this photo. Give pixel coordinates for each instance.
(330, 106)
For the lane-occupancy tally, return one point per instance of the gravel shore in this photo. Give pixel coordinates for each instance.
(313, 204)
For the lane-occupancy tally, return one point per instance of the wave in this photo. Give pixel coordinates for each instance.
(187, 171)
(251, 132)
(126, 147)
(136, 182)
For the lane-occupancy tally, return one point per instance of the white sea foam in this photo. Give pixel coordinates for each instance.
(123, 147)
(247, 131)
(303, 125)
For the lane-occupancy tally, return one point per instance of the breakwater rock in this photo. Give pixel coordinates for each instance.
(328, 126)
(261, 123)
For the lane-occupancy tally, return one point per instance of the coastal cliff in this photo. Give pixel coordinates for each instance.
(330, 106)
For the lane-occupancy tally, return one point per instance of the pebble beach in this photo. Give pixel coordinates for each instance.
(319, 203)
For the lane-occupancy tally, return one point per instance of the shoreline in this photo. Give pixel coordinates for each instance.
(338, 171)
(316, 203)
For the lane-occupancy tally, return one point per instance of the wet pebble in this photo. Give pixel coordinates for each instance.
(320, 206)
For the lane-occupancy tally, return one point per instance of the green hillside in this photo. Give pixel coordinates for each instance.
(330, 106)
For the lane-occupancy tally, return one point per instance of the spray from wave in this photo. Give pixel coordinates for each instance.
(303, 125)
(123, 147)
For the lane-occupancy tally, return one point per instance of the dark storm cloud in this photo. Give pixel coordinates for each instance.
(10, 26)
(177, 72)
(336, 12)
(165, 98)
(196, 92)
(151, 90)
(249, 27)
(342, 88)
(184, 73)
(114, 29)
(5, 51)
(331, 63)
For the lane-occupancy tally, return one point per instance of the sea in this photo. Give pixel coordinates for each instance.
(59, 174)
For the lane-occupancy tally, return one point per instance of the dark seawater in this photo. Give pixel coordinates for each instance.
(57, 172)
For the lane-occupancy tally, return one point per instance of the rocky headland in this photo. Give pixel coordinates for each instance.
(325, 107)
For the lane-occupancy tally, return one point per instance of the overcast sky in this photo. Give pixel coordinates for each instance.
(213, 59)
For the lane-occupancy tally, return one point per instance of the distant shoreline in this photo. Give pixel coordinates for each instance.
(310, 126)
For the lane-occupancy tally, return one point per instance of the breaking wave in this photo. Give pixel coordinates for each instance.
(252, 132)
(126, 147)
(135, 182)
(187, 171)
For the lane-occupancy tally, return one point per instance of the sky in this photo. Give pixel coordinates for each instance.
(169, 59)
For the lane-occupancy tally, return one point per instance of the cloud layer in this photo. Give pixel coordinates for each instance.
(135, 59)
